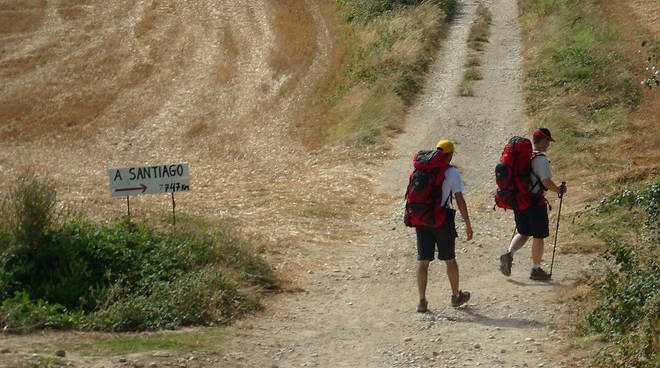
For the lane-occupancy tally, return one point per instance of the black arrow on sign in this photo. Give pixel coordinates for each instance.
(142, 186)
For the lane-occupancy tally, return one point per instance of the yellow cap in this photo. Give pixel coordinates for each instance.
(446, 146)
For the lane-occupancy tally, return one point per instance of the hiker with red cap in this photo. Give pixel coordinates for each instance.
(533, 221)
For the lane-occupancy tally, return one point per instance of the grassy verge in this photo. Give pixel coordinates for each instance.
(63, 271)
(585, 81)
(206, 339)
(389, 45)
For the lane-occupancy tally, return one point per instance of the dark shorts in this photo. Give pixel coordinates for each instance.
(533, 221)
(444, 238)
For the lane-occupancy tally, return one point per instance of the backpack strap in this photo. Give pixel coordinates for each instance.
(538, 179)
(449, 199)
(532, 173)
(451, 194)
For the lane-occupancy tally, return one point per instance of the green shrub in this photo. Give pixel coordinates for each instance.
(119, 276)
(20, 313)
(194, 298)
(28, 211)
(628, 308)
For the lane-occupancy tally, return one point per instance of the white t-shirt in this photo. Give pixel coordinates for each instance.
(541, 169)
(452, 184)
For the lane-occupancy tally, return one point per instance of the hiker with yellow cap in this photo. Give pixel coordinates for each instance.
(433, 183)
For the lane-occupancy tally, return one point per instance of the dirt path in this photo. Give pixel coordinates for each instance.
(357, 307)
(359, 310)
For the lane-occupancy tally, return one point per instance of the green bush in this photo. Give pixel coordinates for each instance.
(628, 309)
(194, 298)
(20, 313)
(28, 211)
(120, 276)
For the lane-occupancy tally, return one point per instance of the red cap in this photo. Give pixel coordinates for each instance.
(543, 132)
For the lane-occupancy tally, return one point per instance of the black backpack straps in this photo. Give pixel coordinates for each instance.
(532, 173)
(449, 199)
(451, 194)
(537, 181)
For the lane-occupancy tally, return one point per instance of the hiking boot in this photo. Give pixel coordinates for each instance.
(422, 306)
(460, 299)
(539, 274)
(506, 260)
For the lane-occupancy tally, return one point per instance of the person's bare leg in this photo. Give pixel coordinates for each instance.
(452, 274)
(537, 250)
(422, 278)
(518, 241)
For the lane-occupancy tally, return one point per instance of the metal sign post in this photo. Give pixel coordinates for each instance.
(173, 212)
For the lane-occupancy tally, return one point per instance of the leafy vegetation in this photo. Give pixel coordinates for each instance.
(627, 311)
(582, 82)
(67, 272)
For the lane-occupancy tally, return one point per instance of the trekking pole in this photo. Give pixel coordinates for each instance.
(561, 199)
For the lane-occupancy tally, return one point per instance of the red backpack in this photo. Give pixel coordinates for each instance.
(513, 175)
(424, 191)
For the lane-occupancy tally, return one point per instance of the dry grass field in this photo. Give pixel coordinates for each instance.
(90, 85)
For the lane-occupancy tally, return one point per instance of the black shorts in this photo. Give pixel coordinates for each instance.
(533, 221)
(443, 237)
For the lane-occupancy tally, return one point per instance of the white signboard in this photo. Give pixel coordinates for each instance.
(168, 178)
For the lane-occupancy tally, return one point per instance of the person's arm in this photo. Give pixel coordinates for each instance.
(462, 208)
(548, 183)
(541, 168)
